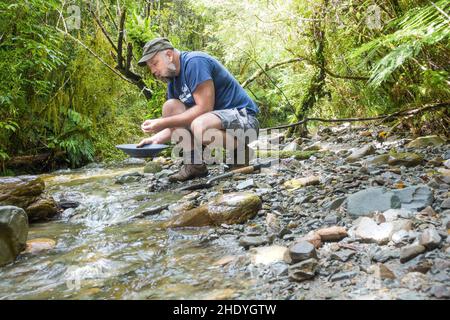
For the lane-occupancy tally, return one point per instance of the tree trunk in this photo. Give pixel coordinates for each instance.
(315, 88)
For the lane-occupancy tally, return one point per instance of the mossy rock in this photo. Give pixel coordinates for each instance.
(230, 208)
(407, 159)
(426, 141)
(282, 154)
(152, 167)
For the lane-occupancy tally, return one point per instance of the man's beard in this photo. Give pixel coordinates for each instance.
(170, 74)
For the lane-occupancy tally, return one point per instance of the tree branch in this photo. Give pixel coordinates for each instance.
(120, 40)
(383, 118)
(94, 54)
(97, 20)
(299, 59)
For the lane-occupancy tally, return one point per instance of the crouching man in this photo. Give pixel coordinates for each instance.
(203, 97)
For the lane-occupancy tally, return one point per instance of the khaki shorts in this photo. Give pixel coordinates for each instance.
(237, 119)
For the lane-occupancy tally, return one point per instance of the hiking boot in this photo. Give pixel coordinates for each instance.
(189, 171)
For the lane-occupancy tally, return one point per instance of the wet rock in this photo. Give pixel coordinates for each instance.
(129, 178)
(20, 191)
(410, 252)
(426, 141)
(230, 208)
(253, 241)
(406, 159)
(430, 239)
(360, 153)
(152, 167)
(234, 208)
(197, 217)
(13, 233)
(334, 233)
(26, 192)
(66, 204)
(300, 251)
(367, 201)
(42, 208)
(39, 244)
(303, 270)
(268, 255)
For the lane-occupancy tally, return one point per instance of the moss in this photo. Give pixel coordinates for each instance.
(299, 155)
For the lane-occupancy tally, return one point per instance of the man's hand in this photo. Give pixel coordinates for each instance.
(145, 142)
(153, 125)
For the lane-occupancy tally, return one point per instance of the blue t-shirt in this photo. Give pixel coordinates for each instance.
(197, 67)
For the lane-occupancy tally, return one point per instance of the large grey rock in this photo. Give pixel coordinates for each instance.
(415, 198)
(365, 202)
(13, 233)
(303, 270)
(426, 141)
(129, 178)
(360, 153)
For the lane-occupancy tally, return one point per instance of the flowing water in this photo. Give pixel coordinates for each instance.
(106, 250)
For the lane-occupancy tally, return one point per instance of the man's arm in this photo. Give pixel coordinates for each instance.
(204, 96)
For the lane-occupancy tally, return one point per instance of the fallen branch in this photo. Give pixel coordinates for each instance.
(383, 118)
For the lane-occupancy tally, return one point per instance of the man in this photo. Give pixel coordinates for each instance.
(201, 95)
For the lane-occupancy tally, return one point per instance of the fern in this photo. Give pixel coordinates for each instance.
(417, 28)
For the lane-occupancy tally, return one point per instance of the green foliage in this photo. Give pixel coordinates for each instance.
(56, 96)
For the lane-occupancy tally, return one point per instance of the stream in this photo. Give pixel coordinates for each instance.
(105, 251)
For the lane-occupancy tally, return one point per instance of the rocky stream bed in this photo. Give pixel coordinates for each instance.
(342, 216)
